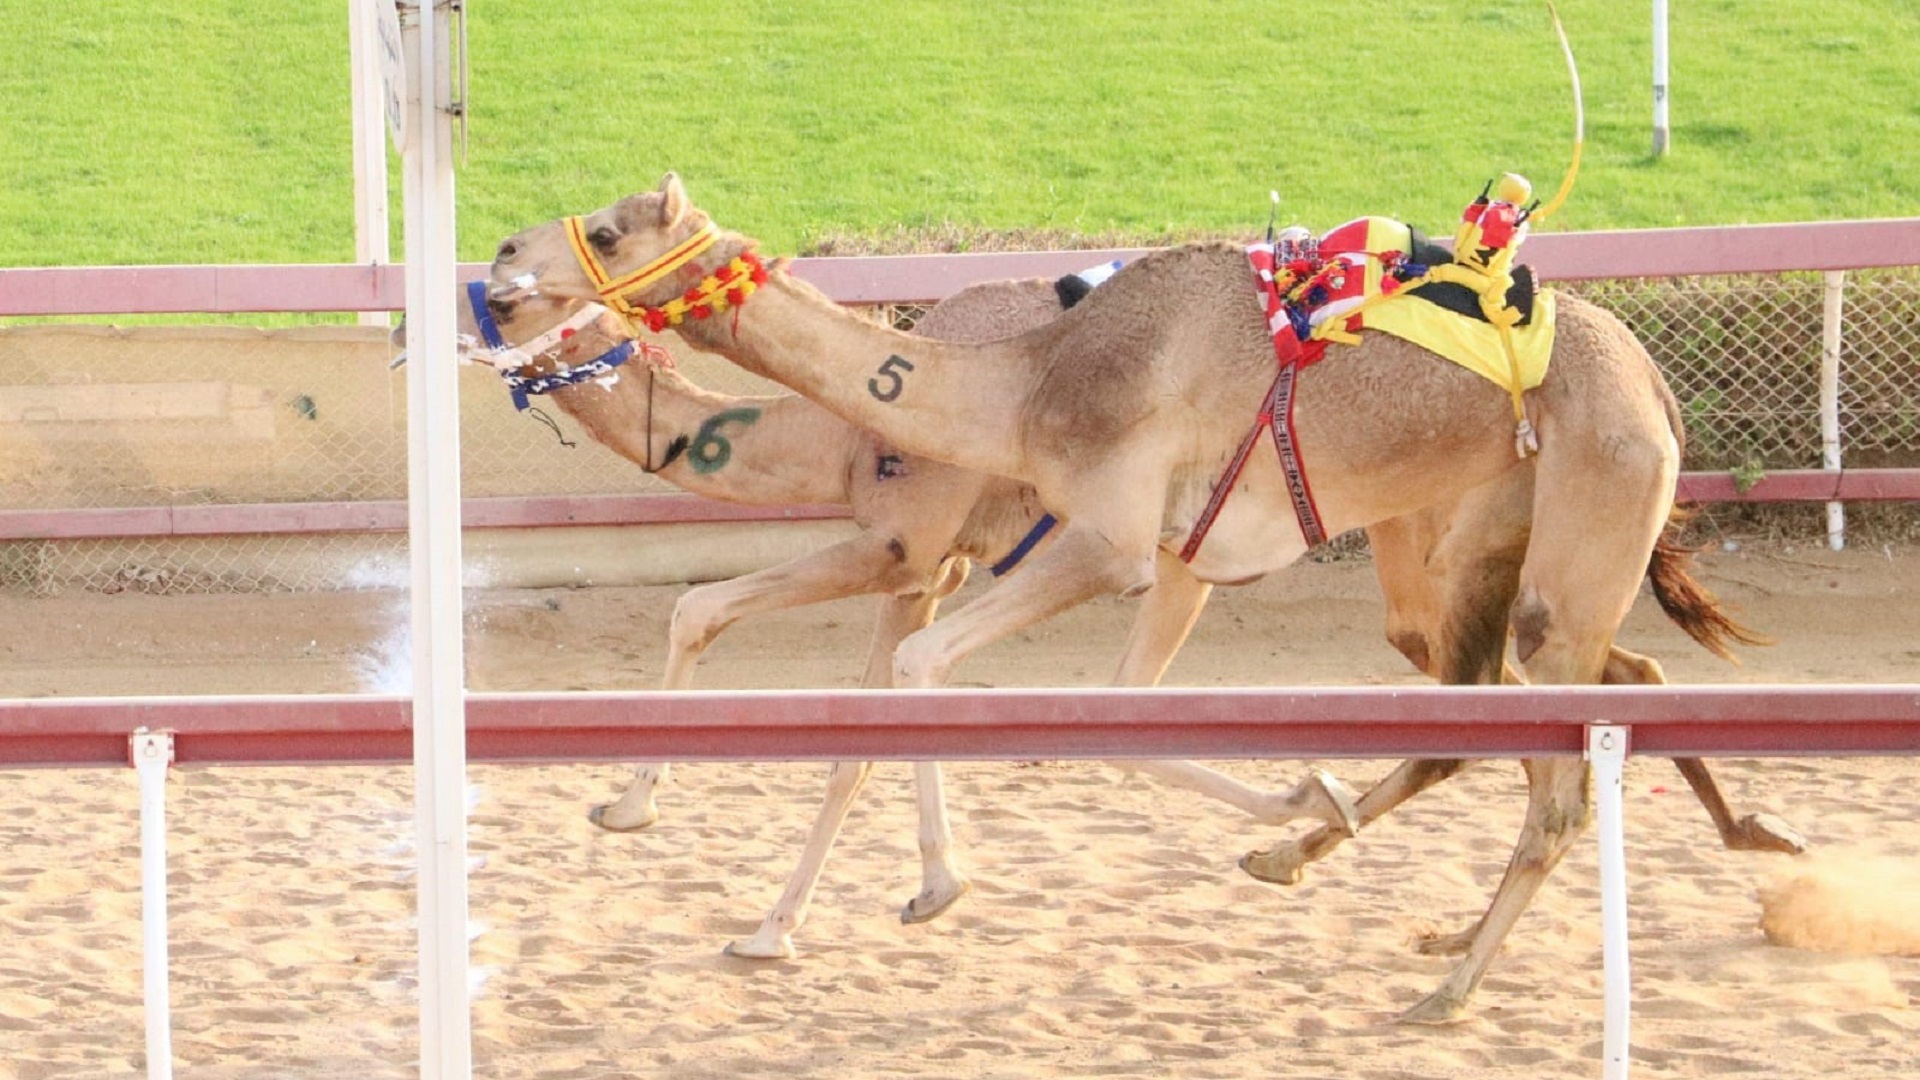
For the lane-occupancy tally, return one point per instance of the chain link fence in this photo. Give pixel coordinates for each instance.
(106, 417)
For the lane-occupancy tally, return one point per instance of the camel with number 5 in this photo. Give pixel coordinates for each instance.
(1447, 574)
(922, 522)
(1123, 415)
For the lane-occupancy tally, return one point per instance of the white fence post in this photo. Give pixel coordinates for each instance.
(433, 541)
(152, 755)
(371, 245)
(1607, 751)
(1659, 78)
(1830, 311)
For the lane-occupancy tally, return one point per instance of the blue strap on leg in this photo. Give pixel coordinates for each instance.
(1039, 531)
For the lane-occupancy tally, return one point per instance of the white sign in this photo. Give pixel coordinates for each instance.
(393, 70)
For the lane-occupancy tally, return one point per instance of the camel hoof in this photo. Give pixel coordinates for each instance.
(1345, 801)
(776, 947)
(1764, 832)
(1435, 1009)
(1435, 944)
(1282, 865)
(930, 905)
(602, 815)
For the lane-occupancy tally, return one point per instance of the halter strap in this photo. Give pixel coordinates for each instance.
(508, 359)
(612, 289)
(527, 351)
(483, 315)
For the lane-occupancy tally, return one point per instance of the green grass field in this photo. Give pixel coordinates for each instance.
(175, 131)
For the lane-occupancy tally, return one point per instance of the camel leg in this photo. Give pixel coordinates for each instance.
(1167, 614)
(1596, 518)
(635, 809)
(1284, 863)
(1557, 810)
(1083, 563)
(858, 565)
(1754, 832)
(774, 939)
(1448, 575)
(941, 881)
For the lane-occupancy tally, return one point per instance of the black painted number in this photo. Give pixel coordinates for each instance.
(887, 383)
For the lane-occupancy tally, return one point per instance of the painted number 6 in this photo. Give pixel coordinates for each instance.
(887, 383)
(710, 451)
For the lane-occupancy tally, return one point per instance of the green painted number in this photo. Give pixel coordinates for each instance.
(710, 451)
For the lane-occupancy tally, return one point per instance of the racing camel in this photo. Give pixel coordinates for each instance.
(1448, 574)
(921, 524)
(1124, 413)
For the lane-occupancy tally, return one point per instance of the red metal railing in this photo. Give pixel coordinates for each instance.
(886, 279)
(868, 280)
(960, 724)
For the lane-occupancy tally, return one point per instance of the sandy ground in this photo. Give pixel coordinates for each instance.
(1109, 932)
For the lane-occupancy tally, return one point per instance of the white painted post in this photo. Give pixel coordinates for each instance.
(1607, 751)
(1659, 78)
(370, 228)
(1830, 311)
(152, 755)
(433, 476)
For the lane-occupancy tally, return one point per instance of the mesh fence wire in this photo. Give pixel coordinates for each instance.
(102, 417)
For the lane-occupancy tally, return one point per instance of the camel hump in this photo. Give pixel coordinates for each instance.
(1691, 606)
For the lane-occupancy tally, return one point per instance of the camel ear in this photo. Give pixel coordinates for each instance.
(673, 199)
(780, 264)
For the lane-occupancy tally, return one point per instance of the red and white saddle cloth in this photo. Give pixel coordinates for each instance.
(1362, 276)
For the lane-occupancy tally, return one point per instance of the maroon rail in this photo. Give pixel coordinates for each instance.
(870, 279)
(386, 516)
(1769, 721)
(1736, 249)
(535, 511)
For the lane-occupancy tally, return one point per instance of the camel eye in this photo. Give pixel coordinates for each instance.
(508, 249)
(603, 239)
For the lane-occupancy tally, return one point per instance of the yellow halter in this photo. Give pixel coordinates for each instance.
(612, 289)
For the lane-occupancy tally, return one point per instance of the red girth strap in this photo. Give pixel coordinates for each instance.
(1276, 415)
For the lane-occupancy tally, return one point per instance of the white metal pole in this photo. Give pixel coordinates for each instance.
(152, 753)
(1830, 312)
(1659, 77)
(1607, 751)
(371, 246)
(433, 432)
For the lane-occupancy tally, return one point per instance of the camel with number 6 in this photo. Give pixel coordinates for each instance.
(1447, 574)
(1123, 415)
(921, 523)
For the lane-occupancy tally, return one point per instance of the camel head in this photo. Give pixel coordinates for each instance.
(653, 257)
(538, 349)
(536, 341)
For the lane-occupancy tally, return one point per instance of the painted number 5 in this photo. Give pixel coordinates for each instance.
(887, 383)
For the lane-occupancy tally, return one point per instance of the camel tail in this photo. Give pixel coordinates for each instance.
(1687, 602)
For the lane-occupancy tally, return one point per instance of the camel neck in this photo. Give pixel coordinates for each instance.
(954, 403)
(759, 450)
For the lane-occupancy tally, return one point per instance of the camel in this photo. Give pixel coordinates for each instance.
(1122, 415)
(1421, 560)
(922, 522)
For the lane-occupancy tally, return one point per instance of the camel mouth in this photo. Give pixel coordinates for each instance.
(504, 296)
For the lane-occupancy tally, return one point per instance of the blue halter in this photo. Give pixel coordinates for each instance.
(521, 387)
